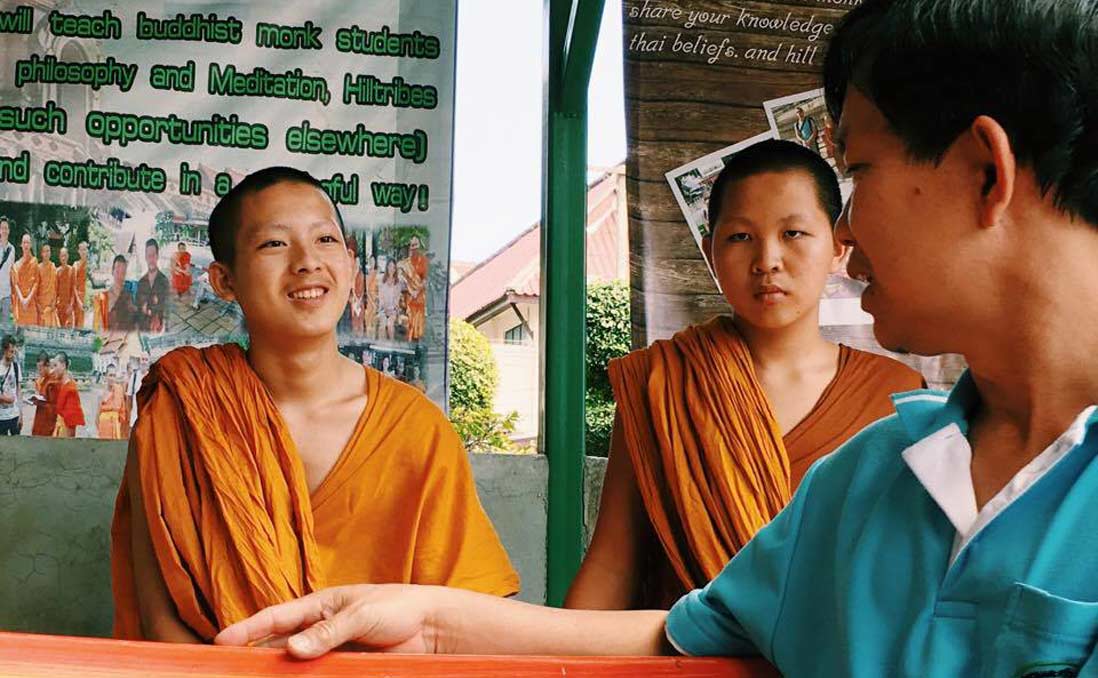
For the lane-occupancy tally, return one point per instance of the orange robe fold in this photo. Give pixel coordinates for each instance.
(64, 295)
(233, 524)
(46, 295)
(24, 283)
(708, 455)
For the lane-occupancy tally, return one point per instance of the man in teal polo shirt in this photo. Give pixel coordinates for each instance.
(959, 536)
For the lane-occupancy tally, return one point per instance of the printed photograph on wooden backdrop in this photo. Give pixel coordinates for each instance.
(803, 118)
(693, 182)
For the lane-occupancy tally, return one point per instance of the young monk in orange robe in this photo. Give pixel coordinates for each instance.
(45, 399)
(46, 293)
(64, 289)
(70, 413)
(716, 426)
(24, 286)
(300, 468)
(109, 421)
(181, 270)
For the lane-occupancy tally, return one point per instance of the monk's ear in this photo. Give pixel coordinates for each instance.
(839, 256)
(221, 280)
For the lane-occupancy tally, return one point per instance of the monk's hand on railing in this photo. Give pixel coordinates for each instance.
(385, 618)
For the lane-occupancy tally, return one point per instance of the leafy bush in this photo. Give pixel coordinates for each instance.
(608, 337)
(474, 375)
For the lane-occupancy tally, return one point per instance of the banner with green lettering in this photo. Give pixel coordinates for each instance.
(122, 123)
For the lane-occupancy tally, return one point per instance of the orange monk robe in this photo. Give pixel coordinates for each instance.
(24, 285)
(111, 411)
(45, 412)
(417, 295)
(64, 295)
(46, 295)
(79, 289)
(231, 518)
(70, 412)
(708, 455)
(181, 272)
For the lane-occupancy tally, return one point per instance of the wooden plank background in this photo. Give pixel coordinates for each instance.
(679, 108)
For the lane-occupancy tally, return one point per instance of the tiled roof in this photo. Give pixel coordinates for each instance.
(516, 267)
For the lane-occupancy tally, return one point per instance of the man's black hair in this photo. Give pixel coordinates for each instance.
(774, 155)
(932, 66)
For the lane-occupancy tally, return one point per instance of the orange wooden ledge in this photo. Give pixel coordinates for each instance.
(40, 656)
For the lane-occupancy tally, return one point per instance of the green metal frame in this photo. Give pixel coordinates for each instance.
(573, 29)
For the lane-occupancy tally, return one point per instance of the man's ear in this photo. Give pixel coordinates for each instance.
(221, 280)
(996, 164)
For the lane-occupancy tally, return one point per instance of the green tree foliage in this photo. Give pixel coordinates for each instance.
(473, 372)
(474, 377)
(608, 337)
(482, 430)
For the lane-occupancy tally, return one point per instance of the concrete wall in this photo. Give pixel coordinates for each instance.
(57, 498)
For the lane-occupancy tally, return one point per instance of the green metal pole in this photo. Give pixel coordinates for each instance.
(573, 27)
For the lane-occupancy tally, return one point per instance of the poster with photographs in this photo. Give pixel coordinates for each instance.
(693, 182)
(122, 126)
(386, 318)
(803, 119)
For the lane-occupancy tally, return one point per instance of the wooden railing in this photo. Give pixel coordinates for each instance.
(41, 656)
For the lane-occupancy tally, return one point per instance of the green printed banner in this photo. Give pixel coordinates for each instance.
(121, 125)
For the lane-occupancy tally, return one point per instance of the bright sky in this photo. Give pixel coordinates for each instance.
(497, 135)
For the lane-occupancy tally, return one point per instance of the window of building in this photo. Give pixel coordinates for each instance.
(515, 335)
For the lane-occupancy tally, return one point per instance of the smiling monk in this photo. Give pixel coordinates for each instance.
(257, 476)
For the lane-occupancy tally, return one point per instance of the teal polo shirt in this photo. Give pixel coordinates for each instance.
(881, 565)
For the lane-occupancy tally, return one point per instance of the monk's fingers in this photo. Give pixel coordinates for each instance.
(283, 619)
